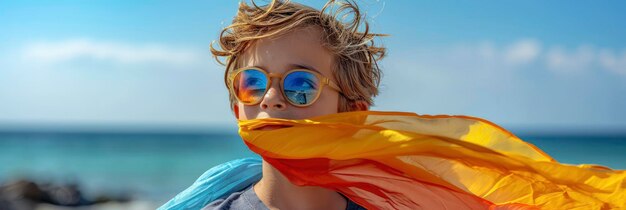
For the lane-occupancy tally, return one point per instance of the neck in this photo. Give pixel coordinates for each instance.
(277, 192)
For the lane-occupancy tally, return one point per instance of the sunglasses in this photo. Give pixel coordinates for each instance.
(300, 87)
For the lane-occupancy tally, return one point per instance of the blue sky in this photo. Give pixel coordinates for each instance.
(139, 64)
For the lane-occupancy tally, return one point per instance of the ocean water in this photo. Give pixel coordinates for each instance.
(157, 166)
(144, 166)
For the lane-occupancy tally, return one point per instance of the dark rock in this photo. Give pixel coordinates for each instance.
(25, 195)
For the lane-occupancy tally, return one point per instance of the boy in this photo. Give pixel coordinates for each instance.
(293, 62)
(262, 45)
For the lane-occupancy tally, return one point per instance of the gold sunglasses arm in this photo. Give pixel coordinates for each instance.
(331, 84)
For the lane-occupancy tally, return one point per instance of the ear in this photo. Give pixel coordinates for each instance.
(236, 110)
(359, 105)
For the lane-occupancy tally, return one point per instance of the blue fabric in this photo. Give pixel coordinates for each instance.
(217, 183)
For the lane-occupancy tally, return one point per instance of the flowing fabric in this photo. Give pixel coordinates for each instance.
(398, 160)
(218, 182)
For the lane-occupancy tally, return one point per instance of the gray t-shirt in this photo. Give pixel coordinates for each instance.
(248, 200)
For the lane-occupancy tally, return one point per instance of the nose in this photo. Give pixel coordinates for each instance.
(273, 99)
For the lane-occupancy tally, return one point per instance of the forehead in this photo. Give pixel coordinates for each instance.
(301, 47)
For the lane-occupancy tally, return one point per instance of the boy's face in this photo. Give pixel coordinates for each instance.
(279, 55)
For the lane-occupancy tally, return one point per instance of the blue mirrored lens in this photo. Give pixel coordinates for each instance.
(250, 85)
(301, 87)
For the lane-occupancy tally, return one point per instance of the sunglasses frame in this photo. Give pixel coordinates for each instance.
(324, 81)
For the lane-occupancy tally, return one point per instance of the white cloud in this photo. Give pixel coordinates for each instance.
(560, 60)
(87, 81)
(489, 58)
(613, 62)
(525, 81)
(61, 51)
(522, 52)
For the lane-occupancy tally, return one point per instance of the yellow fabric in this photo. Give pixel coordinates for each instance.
(462, 153)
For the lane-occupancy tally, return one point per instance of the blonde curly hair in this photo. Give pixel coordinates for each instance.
(355, 54)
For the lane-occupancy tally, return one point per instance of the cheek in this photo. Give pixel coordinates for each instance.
(328, 103)
(247, 112)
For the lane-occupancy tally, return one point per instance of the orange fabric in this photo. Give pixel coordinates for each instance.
(398, 160)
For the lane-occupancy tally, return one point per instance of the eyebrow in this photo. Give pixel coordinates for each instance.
(302, 66)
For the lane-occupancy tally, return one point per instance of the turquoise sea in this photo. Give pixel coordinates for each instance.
(154, 167)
